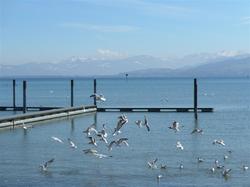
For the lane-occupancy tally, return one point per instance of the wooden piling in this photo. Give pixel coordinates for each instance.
(195, 99)
(24, 97)
(94, 91)
(72, 92)
(14, 94)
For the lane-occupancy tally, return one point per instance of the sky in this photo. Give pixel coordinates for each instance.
(53, 30)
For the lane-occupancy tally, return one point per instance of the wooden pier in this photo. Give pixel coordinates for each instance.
(20, 119)
(47, 112)
(151, 109)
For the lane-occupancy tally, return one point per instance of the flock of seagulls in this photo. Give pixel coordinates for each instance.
(96, 137)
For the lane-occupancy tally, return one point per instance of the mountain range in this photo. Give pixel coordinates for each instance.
(201, 65)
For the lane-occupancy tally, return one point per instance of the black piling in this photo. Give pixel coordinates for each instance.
(195, 99)
(94, 91)
(14, 94)
(24, 97)
(72, 92)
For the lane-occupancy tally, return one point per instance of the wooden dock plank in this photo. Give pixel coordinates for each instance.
(31, 117)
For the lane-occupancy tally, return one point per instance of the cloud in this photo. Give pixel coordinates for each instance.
(107, 53)
(101, 28)
(245, 20)
(153, 7)
(225, 53)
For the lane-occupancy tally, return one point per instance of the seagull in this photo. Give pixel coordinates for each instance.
(89, 151)
(25, 127)
(226, 172)
(122, 140)
(122, 121)
(111, 144)
(72, 144)
(98, 97)
(216, 162)
(103, 132)
(102, 138)
(245, 167)
(225, 157)
(159, 177)
(46, 164)
(181, 166)
(212, 169)
(175, 126)
(146, 123)
(163, 166)
(197, 130)
(179, 146)
(138, 123)
(200, 160)
(152, 164)
(92, 141)
(90, 129)
(220, 142)
(56, 139)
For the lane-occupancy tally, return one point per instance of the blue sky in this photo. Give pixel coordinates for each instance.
(52, 30)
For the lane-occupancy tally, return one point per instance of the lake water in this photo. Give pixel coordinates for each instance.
(23, 151)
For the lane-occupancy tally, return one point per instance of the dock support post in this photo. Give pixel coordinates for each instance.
(14, 94)
(94, 91)
(24, 97)
(195, 99)
(72, 92)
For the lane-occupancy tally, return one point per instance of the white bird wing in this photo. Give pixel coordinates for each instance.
(57, 139)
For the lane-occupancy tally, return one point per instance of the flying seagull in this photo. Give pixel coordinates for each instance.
(92, 141)
(90, 129)
(152, 164)
(197, 130)
(220, 142)
(179, 146)
(57, 139)
(98, 97)
(72, 144)
(46, 164)
(225, 173)
(146, 123)
(175, 126)
(122, 120)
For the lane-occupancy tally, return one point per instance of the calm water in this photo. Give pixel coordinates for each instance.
(22, 152)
